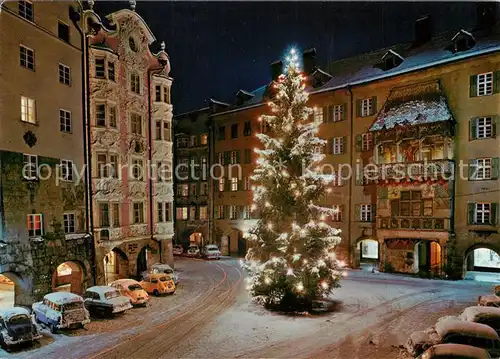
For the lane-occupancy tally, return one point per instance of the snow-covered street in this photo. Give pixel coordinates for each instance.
(211, 316)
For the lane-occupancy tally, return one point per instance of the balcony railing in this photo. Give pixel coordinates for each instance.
(424, 169)
(414, 223)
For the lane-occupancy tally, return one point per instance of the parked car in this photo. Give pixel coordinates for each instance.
(61, 310)
(454, 331)
(457, 351)
(210, 251)
(133, 290)
(489, 316)
(177, 250)
(193, 251)
(166, 269)
(105, 300)
(17, 327)
(158, 283)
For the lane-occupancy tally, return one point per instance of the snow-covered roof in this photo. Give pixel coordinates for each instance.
(8, 313)
(470, 313)
(458, 350)
(393, 53)
(63, 297)
(101, 289)
(415, 104)
(445, 327)
(462, 32)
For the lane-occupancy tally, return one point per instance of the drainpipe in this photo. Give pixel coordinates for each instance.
(87, 154)
(351, 155)
(2, 210)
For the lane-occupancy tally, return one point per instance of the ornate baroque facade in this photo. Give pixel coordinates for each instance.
(130, 145)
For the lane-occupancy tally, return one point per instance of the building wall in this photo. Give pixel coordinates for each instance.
(32, 261)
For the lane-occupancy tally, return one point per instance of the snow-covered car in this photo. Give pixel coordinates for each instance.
(490, 300)
(177, 250)
(193, 251)
(158, 283)
(17, 327)
(210, 251)
(448, 351)
(105, 300)
(61, 310)
(483, 315)
(131, 289)
(454, 331)
(166, 269)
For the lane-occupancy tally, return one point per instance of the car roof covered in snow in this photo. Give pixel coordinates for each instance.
(470, 313)
(490, 298)
(449, 326)
(211, 246)
(458, 350)
(8, 313)
(63, 297)
(161, 266)
(101, 289)
(125, 282)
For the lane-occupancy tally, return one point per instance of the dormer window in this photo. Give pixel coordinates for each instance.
(462, 41)
(391, 59)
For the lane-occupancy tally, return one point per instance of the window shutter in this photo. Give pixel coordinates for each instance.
(374, 105)
(472, 169)
(237, 156)
(240, 185)
(358, 108)
(495, 164)
(227, 156)
(216, 211)
(473, 86)
(359, 142)
(374, 212)
(344, 111)
(357, 212)
(496, 82)
(383, 193)
(495, 120)
(494, 213)
(344, 144)
(470, 212)
(329, 146)
(359, 177)
(228, 184)
(325, 115)
(472, 128)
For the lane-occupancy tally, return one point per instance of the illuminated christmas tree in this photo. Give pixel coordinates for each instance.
(291, 261)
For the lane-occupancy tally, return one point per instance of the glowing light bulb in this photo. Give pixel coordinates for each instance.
(328, 190)
(305, 261)
(267, 280)
(322, 217)
(341, 264)
(289, 271)
(269, 226)
(300, 287)
(292, 50)
(344, 274)
(324, 285)
(267, 204)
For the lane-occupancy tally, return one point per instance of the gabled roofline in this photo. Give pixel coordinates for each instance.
(392, 52)
(462, 31)
(149, 34)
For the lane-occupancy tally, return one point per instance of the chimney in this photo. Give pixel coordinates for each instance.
(309, 60)
(423, 31)
(486, 15)
(276, 69)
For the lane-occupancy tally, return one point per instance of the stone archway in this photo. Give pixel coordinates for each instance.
(68, 277)
(116, 265)
(143, 260)
(482, 263)
(367, 253)
(11, 289)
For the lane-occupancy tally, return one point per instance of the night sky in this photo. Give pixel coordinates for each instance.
(217, 48)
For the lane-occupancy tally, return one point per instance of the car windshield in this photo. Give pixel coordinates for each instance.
(72, 306)
(168, 271)
(164, 279)
(20, 319)
(134, 287)
(112, 294)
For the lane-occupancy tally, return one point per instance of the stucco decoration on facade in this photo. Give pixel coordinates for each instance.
(139, 230)
(105, 139)
(107, 189)
(163, 192)
(137, 190)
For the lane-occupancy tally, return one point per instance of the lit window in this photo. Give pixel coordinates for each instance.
(67, 170)
(483, 168)
(135, 83)
(28, 110)
(234, 184)
(192, 212)
(365, 214)
(337, 213)
(30, 167)
(138, 212)
(27, 57)
(204, 139)
(338, 145)
(366, 107)
(182, 213)
(26, 10)
(64, 74)
(484, 127)
(137, 169)
(482, 213)
(35, 227)
(318, 114)
(203, 212)
(65, 121)
(338, 113)
(234, 157)
(69, 222)
(116, 215)
(233, 212)
(485, 84)
(112, 116)
(366, 143)
(193, 141)
(220, 212)
(136, 124)
(247, 212)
